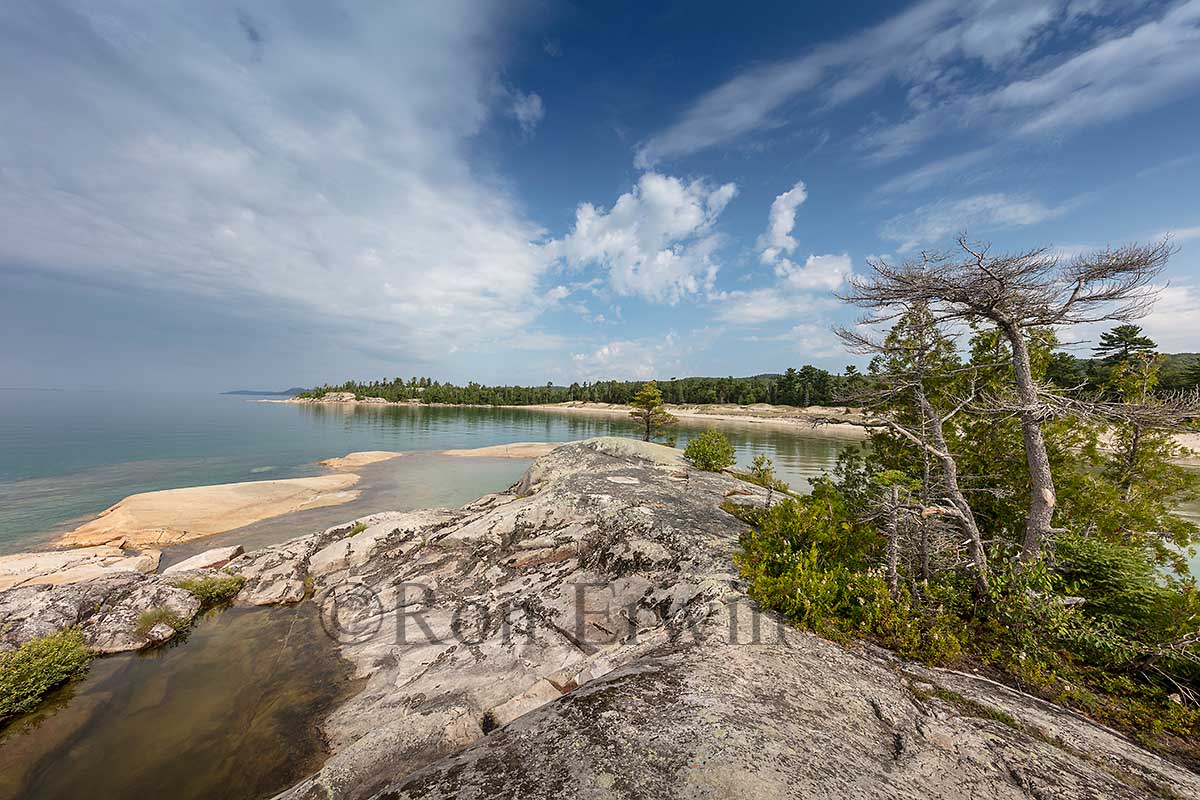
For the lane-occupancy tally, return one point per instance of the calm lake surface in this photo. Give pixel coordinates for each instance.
(66, 456)
(233, 709)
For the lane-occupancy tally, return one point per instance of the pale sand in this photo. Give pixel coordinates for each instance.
(794, 418)
(514, 450)
(178, 515)
(171, 516)
(356, 460)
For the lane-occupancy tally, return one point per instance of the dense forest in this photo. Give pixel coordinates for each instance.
(808, 385)
(805, 386)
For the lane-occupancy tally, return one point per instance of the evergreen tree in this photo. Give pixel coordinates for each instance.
(648, 411)
(1123, 341)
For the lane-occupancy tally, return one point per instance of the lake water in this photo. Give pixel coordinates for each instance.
(66, 456)
(233, 709)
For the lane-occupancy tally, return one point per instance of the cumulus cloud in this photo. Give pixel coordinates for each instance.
(656, 241)
(780, 222)
(528, 110)
(938, 221)
(308, 158)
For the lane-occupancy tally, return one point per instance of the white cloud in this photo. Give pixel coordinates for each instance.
(640, 359)
(797, 286)
(1115, 78)
(1030, 85)
(528, 110)
(918, 47)
(818, 272)
(929, 174)
(307, 159)
(808, 338)
(780, 222)
(656, 242)
(757, 306)
(1174, 323)
(938, 221)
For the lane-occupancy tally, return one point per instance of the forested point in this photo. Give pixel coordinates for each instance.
(806, 386)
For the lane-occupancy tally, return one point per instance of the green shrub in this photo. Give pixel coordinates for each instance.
(710, 451)
(37, 666)
(212, 590)
(153, 616)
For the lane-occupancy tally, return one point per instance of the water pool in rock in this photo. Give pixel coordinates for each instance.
(231, 710)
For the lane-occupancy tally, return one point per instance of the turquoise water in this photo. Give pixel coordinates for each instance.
(66, 456)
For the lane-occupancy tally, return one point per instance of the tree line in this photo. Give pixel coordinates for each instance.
(805, 386)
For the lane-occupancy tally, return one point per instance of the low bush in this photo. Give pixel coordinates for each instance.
(214, 589)
(36, 667)
(710, 451)
(153, 616)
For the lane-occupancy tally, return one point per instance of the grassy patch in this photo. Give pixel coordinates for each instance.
(969, 707)
(358, 528)
(212, 590)
(153, 616)
(37, 666)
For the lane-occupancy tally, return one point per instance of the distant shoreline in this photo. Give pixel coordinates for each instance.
(803, 419)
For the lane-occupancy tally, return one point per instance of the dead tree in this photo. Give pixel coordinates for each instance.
(910, 357)
(1016, 293)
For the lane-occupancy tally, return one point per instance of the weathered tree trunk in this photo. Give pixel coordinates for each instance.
(1042, 497)
(892, 531)
(926, 474)
(955, 495)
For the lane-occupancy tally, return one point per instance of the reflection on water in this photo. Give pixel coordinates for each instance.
(231, 712)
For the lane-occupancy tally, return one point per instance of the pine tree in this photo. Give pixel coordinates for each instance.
(648, 410)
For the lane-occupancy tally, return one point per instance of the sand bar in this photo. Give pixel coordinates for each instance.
(513, 450)
(171, 516)
(361, 459)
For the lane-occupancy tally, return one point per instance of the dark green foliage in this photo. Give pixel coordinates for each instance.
(1106, 620)
(212, 590)
(37, 666)
(710, 451)
(1122, 342)
(808, 385)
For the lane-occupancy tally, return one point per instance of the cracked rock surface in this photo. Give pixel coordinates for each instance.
(586, 635)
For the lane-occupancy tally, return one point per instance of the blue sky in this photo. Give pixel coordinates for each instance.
(211, 195)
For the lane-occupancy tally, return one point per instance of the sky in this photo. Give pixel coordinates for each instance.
(263, 195)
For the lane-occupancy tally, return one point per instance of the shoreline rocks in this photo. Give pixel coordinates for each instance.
(586, 633)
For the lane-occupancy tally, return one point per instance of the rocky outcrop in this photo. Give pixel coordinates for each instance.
(73, 566)
(108, 609)
(209, 559)
(586, 634)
